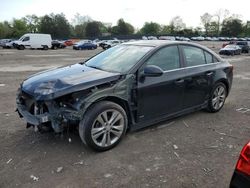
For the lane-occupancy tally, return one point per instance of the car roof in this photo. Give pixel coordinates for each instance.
(158, 43)
(153, 43)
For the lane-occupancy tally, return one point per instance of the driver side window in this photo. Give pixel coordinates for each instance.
(26, 39)
(166, 58)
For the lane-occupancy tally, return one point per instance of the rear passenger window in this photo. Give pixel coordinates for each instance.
(193, 56)
(209, 57)
(215, 59)
(166, 58)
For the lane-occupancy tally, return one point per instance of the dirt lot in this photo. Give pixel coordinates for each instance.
(196, 150)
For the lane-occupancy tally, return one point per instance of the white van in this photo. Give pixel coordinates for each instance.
(34, 40)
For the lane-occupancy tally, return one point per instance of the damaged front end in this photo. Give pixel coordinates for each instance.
(53, 100)
(47, 115)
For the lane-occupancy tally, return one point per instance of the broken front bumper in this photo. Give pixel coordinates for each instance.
(32, 119)
(49, 113)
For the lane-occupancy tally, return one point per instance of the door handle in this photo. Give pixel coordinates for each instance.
(209, 73)
(179, 81)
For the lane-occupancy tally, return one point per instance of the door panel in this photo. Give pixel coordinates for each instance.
(162, 95)
(198, 82)
(199, 76)
(158, 96)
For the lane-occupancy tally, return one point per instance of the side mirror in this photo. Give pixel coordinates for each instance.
(152, 71)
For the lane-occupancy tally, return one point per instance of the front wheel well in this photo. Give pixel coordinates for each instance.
(119, 101)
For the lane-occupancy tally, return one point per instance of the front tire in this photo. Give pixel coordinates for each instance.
(21, 47)
(217, 97)
(103, 126)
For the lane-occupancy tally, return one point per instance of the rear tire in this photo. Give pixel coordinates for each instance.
(103, 126)
(217, 97)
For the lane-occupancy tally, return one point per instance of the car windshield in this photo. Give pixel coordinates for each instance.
(120, 58)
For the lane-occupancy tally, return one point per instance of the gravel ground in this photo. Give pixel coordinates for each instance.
(196, 150)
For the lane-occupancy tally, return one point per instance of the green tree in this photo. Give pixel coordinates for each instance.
(188, 32)
(79, 30)
(212, 29)
(5, 30)
(115, 30)
(56, 25)
(93, 29)
(177, 24)
(19, 27)
(198, 31)
(32, 22)
(124, 28)
(221, 15)
(231, 27)
(62, 26)
(206, 20)
(150, 28)
(47, 25)
(166, 30)
(246, 29)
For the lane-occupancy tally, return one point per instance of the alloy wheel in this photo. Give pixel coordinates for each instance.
(107, 128)
(219, 96)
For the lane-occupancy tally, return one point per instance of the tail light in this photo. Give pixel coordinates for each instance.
(231, 68)
(243, 164)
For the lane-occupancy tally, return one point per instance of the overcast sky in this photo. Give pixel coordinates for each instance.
(135, 12)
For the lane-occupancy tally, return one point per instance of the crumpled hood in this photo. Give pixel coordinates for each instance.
(61, 81)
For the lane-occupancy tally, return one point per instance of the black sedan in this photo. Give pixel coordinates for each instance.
(57, 44)
(127, 87)
(230, 49)
(241, 176)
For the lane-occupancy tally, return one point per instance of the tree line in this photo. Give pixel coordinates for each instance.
(222, 23)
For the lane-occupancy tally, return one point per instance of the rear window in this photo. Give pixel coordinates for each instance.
(209, 57)
(194, 56)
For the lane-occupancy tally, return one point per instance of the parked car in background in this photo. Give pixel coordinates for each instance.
(84, 45)
(208, 38)
(102, 43)
(200, 38)
(227, 43)
(166, 38)
(230, 49)
(132, 85)
(152, 38)
(242, 39)
(241, 175)
(4, 41)
(34, 41)
(110, 43)
(68, 42)
(184, 39)
(9, 45)
(244, 46)
(57, 44)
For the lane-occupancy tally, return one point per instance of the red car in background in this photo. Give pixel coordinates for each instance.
(227, 43)
(241, 176)
(68, 42)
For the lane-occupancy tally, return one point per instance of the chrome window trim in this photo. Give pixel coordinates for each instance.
(182, 68)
